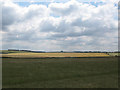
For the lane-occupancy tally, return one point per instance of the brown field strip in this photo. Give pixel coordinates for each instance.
(39, 55)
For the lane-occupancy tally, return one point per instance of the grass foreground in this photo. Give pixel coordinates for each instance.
(60, 73)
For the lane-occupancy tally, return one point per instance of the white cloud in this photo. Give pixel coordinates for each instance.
(60, 26)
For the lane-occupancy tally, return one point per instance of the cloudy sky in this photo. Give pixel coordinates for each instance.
(65, 25)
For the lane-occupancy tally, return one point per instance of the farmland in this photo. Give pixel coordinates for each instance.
(38, 55)
(7, 51)
(60, 72)
(114, 54)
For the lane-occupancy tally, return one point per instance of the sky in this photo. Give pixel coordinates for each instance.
(70, 25)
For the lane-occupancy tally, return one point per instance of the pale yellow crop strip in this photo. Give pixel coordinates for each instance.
(55, 55)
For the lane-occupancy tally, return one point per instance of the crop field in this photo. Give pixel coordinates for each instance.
(37, 55)
(60, 72)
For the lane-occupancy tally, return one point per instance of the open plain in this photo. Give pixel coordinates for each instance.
(39, 55)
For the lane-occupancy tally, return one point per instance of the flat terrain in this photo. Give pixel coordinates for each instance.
(60, 73)
(114, 54)
(6, 51)
(38, 55)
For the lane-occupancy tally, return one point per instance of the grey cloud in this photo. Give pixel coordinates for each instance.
(63, 11)
(36, 10)
(9, 16)
(47, 26)
(19, 36)
(47, 30)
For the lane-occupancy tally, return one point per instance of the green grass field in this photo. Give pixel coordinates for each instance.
(60, 73)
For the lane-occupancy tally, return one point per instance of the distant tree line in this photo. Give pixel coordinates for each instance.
(26, 50)
(64, 51)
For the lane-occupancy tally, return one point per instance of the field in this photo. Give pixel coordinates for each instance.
(60, 72)
(6, 51)
(38, 55)
(114, 54)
